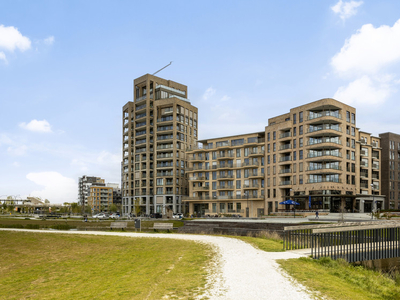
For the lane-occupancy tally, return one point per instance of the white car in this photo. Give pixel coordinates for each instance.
(114, 216)
(101, 216)
(177, 216)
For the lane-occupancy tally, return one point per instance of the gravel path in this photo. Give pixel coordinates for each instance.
(241, 271)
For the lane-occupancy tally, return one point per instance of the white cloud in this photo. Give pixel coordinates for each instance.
(225, 98)
(5, 140)
(365, 91)
(209, 93)
(57, 188)
(346, 9)
(3, 57)
(11, 39)
(17, 151)
(35, 125)
(369, 50)
(49, 41)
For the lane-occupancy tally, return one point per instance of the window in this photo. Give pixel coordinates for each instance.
(294, 155)
(274, 147)
(274, 158)
(238, 154)
(300, 116)
(294, 144)
(301, 129)
(294, 131)
(353, 118)
(268, 136)
(294, 118)
(238, 173)
(238, 184)
(347, 116)
(274, 135)
(300, 154)
(214, 185)
(300, 142)
(268, 148)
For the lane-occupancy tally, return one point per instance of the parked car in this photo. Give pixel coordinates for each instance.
(101, 216)
(114, 216)
(177, 216)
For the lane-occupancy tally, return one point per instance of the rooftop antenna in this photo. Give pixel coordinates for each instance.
(163, 68)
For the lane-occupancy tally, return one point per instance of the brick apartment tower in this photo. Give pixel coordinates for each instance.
(158, 126)
(390, 143)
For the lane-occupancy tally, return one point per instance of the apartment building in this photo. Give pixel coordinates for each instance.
(100, 198)
(158, 126)
(390, 144)
(84, 184)
(226, 175)
(314, 154)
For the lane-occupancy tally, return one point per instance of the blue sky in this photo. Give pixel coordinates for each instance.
(67, 68)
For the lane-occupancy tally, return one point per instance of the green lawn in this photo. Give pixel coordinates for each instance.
(60, 266)
(341, 281)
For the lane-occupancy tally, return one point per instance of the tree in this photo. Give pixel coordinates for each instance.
(75, 208)
(137, 206)
(113, 208)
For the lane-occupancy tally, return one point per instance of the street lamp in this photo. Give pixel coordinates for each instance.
(247, 207)
(373, 202)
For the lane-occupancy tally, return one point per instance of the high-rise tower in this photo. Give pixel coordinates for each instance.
(158, 127)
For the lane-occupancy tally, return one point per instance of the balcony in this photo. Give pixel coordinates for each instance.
(321, 180)
(163, 174)
(197, 178)
(257, 153)
(227, 176)
(285, 182)
(325, 127)
(225, 156)
(285, 159)
(334, 114)
(250, 186)
(285, 147)
(166, 147)
(224, 166)
(165, 156)
(256, 175)
(285, 171)
(198, 158)
(168, 119)
(285, 135)
(165, 137)
(324, 154)
(375, 167)
(225, 187)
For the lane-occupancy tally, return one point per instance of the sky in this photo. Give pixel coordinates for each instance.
(67, 68)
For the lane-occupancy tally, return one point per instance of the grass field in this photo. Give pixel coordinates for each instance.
(59, 266)
(338, 280)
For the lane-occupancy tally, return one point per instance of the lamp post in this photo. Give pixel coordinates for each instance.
(373, 202)
(247, 207)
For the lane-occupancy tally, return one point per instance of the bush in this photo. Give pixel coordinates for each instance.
(11, 226)
(32, 226)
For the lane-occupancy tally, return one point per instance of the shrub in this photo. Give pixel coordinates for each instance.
(32, 226)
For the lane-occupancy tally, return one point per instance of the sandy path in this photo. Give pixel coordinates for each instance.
(245, 272)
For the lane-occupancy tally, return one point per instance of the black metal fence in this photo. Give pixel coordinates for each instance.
(297, 239)
(349, 243)
(356, 245)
